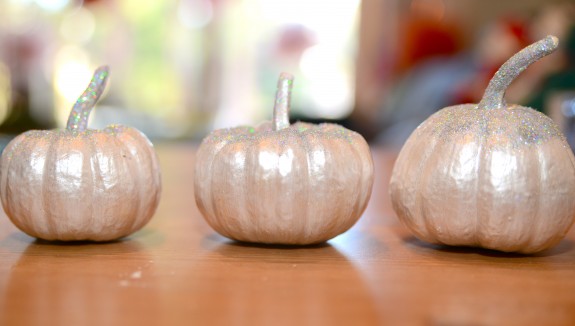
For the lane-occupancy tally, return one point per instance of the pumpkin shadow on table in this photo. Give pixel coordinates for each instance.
(147, 235)
(315, 284)
(562, 247)
(78, 283)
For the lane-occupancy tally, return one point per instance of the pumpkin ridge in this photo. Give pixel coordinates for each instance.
(214, 219)
(486, 213)
(423, 183)
(136, 223)
(243, 212)
(552, 240)
(49, 170)
(480, 175)
(199, 174)
(136, 179)
(278, 218)
(90, 202)
(569, 153)
(337, 206)
(27, 155)
(536, 213)
(306, 226)
(10, 188)
(412, 210)
(228, 174)
(356, 209)
(7, 160)
(250, 176)
(95, 164)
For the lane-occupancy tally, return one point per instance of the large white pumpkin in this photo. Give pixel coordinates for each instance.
(490, 175)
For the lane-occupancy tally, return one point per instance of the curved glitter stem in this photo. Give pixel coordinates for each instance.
(493, 98)
(282, 102)
(78, 119)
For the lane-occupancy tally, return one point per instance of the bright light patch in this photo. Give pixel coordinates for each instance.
(286, 162)
(52, 5)
(330, 89)
(69, 168)
(325, 66)
(268, 160)
(239, 159)
(37, 162)
(72, 71)
(78, 26)
(317, 162)
(195, 14)
(503, 165)
(467, 157)
(314, 14)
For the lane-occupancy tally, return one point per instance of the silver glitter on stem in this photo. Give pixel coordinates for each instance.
(282, 102)
(495, 92)
(78, 119)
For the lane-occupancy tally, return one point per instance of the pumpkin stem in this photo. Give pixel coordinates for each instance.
(78, 119)
(493, 98)
(282, 102)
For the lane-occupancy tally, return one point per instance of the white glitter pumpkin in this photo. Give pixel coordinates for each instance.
(490, 175)
(282, 184)
(78, 184)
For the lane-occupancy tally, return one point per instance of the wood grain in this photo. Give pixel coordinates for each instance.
(177, 271)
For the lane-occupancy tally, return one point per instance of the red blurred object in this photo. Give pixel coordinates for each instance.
(426, 35)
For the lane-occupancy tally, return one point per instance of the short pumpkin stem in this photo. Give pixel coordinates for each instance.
(78, 119)
(493, 98)
(282, 102)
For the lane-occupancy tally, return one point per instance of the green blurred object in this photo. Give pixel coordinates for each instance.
(563, 80)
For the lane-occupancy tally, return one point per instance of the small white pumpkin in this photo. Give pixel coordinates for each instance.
(490, 175)
(282, 184)
(78, 183)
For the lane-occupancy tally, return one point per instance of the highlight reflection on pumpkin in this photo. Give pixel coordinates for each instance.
(282, 183)
(79, 183)
(491, 175)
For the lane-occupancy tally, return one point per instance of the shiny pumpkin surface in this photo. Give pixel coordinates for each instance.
(80, 185)
(299, 185)
(501, 179)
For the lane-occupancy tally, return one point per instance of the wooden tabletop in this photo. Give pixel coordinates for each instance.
(177, 271)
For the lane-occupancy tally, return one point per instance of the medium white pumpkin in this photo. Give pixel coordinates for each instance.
(78, 183)
(282, 184)
(490, 175)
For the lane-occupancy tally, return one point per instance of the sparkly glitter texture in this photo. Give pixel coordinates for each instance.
(55, 134)
(514, 126)
(78, 119)
(492, 123)
(282, 101)
(495, 92)
(299, 130)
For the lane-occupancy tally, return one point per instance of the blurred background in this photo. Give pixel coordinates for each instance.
(180, 68)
